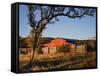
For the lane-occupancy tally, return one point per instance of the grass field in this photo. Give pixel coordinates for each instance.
(59, 61)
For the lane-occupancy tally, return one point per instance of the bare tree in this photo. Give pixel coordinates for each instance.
(39, 16)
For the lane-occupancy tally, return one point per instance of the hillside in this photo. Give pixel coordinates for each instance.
(27, 42)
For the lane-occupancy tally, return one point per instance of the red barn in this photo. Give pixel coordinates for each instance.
(52, 46)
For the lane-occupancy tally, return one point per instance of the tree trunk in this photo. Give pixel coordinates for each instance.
(35, 45)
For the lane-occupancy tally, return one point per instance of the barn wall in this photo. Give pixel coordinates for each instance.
(52, 50)
(81, 49)
(45, 50)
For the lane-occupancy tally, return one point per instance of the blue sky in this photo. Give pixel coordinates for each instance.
(83, 28)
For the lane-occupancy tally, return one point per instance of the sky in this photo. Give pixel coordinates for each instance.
(83, 28)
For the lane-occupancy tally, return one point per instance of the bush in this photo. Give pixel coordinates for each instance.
(63, 48)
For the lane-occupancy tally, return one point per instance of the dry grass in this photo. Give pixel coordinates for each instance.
(68, 60)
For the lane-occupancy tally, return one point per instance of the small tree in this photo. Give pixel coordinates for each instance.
(39, 48)
(63, 48)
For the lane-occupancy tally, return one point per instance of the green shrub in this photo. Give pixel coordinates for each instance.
(63, 48)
